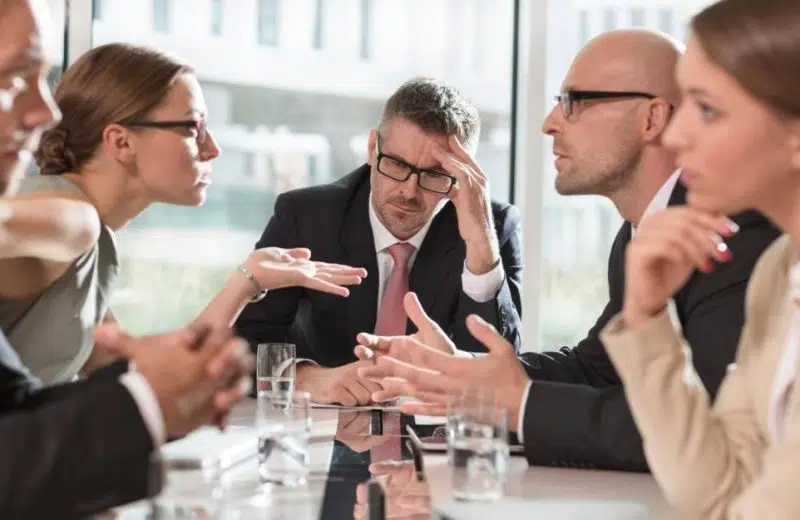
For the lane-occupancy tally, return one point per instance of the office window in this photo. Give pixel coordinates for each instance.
(609, 19)
(217, 17)
(583, 27)
(161, 15)
(666, 20)
(268, 22)
(292, 124)
(637, 17)
(366, 29)
(97, 9)
(319, 20)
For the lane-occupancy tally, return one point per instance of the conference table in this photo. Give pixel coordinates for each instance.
(215, 475)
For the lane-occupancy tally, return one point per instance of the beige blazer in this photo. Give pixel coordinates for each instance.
(716, 463)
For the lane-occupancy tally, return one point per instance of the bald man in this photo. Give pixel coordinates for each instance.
(568, 406)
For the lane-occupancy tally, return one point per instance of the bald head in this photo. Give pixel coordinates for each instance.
(609, 145)
(628, 60)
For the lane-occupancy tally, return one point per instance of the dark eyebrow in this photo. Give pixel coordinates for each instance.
(697, 91)
(433, 169)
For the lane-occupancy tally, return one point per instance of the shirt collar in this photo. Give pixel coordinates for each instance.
(661, 199)
(384, 238)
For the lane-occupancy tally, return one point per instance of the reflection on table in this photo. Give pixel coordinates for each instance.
(351, 448)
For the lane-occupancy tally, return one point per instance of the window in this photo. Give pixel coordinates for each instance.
(97, 9)
(366, 29)
(161, 16)
(577, 232)
(217, 17)
(304, 121)
(609, 19)
(637, 17)
(666, 20)
(268, 22)
(583, 27)
(319, 17)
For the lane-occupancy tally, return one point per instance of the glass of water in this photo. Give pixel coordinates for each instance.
(283, 422)
(477, 441)
(275, 367)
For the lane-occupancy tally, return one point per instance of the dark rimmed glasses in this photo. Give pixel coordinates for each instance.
(567, 99)
(399, 170)
(198, 125)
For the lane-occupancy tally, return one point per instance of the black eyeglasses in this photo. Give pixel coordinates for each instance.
(567, 99)
(399, 170)
(198, 125)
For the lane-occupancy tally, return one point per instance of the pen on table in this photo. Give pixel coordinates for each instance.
(416, 454)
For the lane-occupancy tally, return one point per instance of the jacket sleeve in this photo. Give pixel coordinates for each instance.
(81, 450)
(577, 413)
(504, 311)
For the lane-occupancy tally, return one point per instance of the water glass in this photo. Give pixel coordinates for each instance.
(283, 423)
(275, 367)
(477, 441)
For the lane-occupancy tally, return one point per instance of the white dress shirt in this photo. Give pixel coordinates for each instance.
(781, 402)
(657, 203)
(147, 402)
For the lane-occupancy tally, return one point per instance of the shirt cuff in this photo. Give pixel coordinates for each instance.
(521, 418)
(147, 403)
(483, 287)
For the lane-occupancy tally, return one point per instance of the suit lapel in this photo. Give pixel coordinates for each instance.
(616, 264)
(359, 247)
(678, 196)
(438, 256)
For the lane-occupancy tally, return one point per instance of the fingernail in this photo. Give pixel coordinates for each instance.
(732, 226)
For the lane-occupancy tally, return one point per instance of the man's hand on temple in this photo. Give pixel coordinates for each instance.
(472, 201)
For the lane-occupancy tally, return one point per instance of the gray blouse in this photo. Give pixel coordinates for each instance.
(52, 332)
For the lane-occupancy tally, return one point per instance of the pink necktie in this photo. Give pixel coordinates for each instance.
(392, 322)
(391, 315)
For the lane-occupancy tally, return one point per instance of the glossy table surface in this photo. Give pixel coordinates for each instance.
(349, 448)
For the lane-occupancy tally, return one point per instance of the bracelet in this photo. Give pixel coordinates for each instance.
(259, 292)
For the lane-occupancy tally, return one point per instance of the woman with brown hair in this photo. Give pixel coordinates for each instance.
(737, 138)
(133, 132)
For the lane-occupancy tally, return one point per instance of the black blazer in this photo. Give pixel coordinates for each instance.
(72, 450)
(576, 414)
(333, 221)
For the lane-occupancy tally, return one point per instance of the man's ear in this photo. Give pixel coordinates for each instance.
(372, 147)
(658, 118)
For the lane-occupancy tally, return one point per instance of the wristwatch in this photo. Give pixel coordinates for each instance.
(260, 292)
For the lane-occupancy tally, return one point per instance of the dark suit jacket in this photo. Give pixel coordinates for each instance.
(72, 450)
(333, 221)
(576, 414)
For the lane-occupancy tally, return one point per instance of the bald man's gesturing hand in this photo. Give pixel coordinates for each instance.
(436, 376)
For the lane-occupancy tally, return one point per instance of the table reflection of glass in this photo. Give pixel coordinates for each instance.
(361, 450)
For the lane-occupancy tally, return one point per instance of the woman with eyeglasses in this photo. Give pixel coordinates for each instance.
(133, 132)
(737, 138)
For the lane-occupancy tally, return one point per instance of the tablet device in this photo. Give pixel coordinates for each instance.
(434, 441)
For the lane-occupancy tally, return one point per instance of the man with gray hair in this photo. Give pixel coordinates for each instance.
(418, 216)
